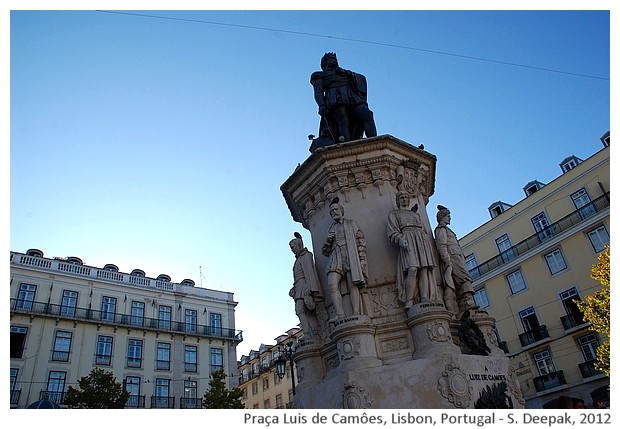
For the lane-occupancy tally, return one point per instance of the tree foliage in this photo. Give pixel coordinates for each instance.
(218, 396)
(596, 309)
(98, 389)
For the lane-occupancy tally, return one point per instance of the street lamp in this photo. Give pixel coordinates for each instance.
(280, 362)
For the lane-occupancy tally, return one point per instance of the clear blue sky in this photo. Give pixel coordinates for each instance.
(161, 144)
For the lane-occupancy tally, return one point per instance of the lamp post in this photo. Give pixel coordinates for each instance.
(280, 362)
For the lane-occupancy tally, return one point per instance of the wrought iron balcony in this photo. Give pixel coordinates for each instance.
(533, 336)
(117, 319)
(135, 401)
(587, 369)
(57, 397)
(535, 240)
(191, 403)
(572, 320)
(162, 401)
(549, 381)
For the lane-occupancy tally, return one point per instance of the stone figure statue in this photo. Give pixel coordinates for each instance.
(306, 290)
(458, 292)
(342, 99)
(347, 269)
(471, 335)
(415, 281)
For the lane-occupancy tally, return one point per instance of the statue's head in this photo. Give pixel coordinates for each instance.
(443, 212)
(336, 211)
(327, 57)
(296, 244)
(402, 199)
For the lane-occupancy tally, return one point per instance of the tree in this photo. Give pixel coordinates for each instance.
(98, 389)
(596, 309)
(218, 396)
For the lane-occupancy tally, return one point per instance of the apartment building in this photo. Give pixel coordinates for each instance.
(529, 263)
(161, 339)
(258, 378)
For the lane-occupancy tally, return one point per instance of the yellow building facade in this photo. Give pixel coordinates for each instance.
(161, 339)
(530, 261)
(261, 386)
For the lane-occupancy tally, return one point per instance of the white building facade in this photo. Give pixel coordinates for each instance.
(161, 339)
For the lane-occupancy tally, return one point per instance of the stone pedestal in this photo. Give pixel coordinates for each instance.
(386, 357)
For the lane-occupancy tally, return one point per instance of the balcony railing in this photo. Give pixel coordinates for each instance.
(162, 401)
(57, 397)
(549, 381)
(537, 334)
(191, 403)
(587, 369)
(542, 236)
(135, 401)
(116, 319)
(60, 356)
(572, 320)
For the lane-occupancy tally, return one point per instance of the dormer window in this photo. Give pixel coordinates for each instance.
(110, 267)
(605, 139)
(188, 282)
(532, 187)
(163, 277)
(498, 208)
(137, 273)
(570, 163)
(74, 260)
(34, 252)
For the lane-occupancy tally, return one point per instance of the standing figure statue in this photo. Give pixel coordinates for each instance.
(346, 248)
(306, 290)
(415, 281)
(458, 292)
(342, 99)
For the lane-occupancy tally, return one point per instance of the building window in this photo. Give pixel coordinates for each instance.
(266, 404)
(265, 384)
(162, 393)
(18, 341)
(134, 354)
(165, 316)
(62, 346)
(104, 350)
(544, 363)
(190, 394)
(25, 296)
(472, 264)
(515, 281)
(217, 359)
(541, 225)
(555, 261)
(254, 388)
(529, 319)
(191, 319)
(569, 165)
(68, 303)
(598, 238)
(481, 298)
(568, 300)
(588, 345)
(215, 322)
(163, 356)
(505, 248)
(279, 402)
(191, 358)
(137, 313)
(108, 308)
(132, 385)
(56, 385)
(245, 393)
(581, 199)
